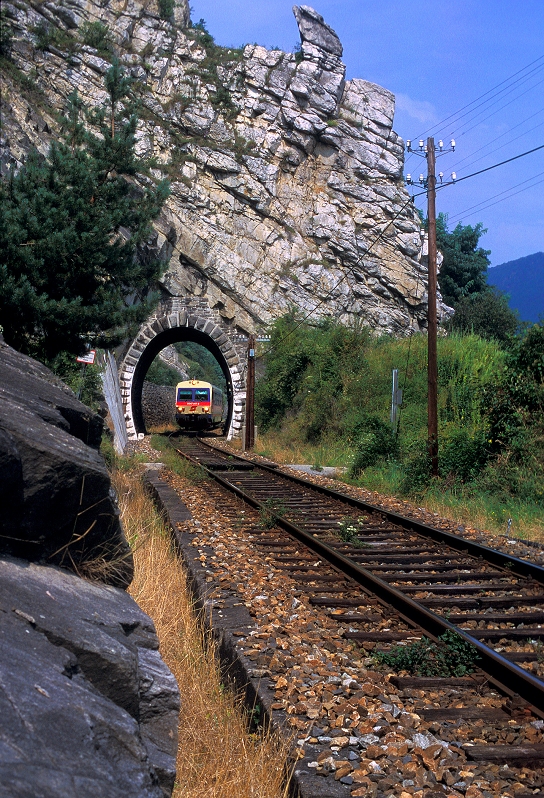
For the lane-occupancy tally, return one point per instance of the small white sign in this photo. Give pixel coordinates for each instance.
(88, 357)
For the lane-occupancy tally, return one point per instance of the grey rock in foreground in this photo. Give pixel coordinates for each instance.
(87, 706)
(56, 503)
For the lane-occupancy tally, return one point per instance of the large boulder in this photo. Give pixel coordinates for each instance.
(88, 707)
(55, 491)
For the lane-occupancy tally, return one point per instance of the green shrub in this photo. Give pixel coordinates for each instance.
(375, 440)
(463, 455)
(417, 474)
(84, 380)
(451, 656)
(96, 35)
(6, 34)
(161, 373)
(47, 35)
(166, 8)
(328, 384)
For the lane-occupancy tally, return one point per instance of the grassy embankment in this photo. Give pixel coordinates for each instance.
(325, 400)
(217, 756)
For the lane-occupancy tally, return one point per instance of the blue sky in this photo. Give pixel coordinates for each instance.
(437, 58)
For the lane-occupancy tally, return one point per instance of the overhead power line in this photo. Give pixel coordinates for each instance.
(349, 269)
(487, 202)
(468, 107)
(497, 138)
(485, 112)
(479, 172)
(488, 168)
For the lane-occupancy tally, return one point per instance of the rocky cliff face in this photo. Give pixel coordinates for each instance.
(286, 179)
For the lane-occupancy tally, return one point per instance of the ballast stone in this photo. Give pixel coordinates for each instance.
(88, 707)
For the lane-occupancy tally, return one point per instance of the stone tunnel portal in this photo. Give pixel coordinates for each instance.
(171, 325)
(152, 350)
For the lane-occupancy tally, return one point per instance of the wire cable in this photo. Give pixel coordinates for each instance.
(502, 135)
(490, 204)
(452, 116)
(349, 269)
(481, 171)
(485, 112)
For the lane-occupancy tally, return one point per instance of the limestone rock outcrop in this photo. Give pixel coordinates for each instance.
(56, 502)
(88, 707)
(286, 179)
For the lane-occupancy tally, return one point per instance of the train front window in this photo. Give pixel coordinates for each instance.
(202, 394)
(185, 394)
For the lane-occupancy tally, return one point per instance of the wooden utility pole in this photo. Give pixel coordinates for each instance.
(249, 441)
(432, 325)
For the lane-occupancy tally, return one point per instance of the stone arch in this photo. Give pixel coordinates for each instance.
(179, 320)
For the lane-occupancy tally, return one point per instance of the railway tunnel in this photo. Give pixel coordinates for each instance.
(177, 320)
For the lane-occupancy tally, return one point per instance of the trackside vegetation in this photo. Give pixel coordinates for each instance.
(325, 395)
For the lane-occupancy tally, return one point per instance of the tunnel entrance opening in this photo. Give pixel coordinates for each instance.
(156, 345)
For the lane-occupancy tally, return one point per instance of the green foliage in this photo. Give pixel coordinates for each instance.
(486, 314)
(161, 373)
(47, 36)
(464, 270)
(516, 401)
(107, 451)
(350, 529)
(514, 409)
(417, 471)
(309, 371)
(166, 8)
(374, 440)
(26, 84)
(83, 379)
(175, 462)
(96, 35)
(72, 225)
(328, 386)
(202, 365)
(269, 513)
(6, 34)
(452, 656)
(209, 68)
(464, 455)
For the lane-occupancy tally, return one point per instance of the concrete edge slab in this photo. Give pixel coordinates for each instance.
(233, 617)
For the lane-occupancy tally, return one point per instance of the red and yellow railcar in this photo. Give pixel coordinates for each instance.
(199, 405)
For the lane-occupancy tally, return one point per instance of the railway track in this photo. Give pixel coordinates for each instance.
(387, 581)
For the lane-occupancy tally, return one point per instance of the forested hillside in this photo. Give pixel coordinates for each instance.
(523, 281)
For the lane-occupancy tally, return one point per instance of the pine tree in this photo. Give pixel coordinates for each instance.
(72, 229)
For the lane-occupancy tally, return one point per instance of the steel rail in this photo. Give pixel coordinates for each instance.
(508, 676)
(513, 565)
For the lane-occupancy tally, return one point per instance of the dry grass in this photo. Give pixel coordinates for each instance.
(217, 757)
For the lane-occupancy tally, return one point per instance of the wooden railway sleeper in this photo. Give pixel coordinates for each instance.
(509, 677)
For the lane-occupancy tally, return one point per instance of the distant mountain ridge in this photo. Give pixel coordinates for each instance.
(523, 280)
